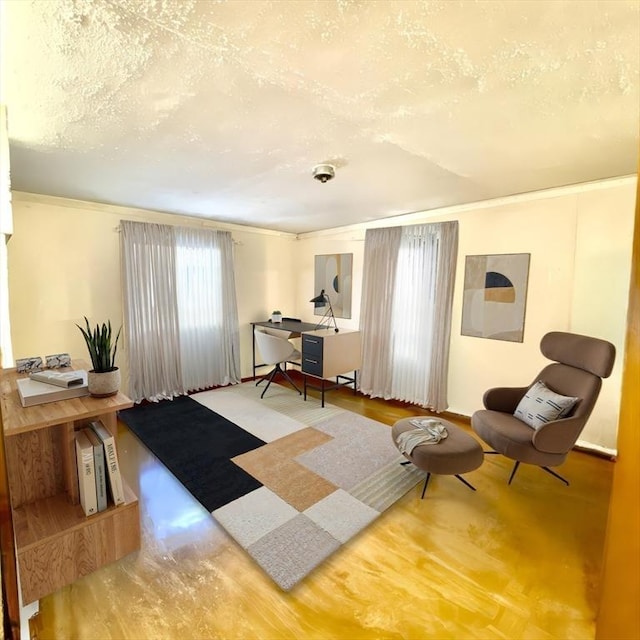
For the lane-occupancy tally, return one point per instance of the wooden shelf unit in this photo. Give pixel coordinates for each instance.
(55, 542)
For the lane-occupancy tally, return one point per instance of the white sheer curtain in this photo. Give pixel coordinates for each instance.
(181, 319)
(207, 309)
(406, 312)
(376, 316)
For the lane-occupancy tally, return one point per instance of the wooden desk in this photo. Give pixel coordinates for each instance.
(327, 354)
(294, 328)
(55, 542)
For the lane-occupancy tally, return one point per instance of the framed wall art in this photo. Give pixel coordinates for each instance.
(333, 273)
(495, 296)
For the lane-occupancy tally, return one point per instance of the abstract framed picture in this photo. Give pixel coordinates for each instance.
(495, 296)
(333, 274)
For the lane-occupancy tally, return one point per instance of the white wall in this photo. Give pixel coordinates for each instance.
(6, 229)
(579, 239)
(64, 263)
(604, 235)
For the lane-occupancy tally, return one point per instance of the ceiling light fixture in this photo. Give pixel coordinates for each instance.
(324, 172)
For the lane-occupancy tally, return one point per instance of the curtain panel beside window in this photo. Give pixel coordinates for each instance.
(407, 299)
(181, 318)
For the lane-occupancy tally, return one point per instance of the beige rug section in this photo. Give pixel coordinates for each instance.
(274, 466)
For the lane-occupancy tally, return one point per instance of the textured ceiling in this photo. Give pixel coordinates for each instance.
(222, 109)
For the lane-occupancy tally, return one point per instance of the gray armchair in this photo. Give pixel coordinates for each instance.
(549, 417)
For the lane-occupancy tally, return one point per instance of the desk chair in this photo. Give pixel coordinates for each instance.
(275, 350)
(287, 335)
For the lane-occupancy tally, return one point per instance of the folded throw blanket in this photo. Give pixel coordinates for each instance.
(425, 423)
(432, 434)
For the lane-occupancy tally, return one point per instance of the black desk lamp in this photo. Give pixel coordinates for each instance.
(321, 300)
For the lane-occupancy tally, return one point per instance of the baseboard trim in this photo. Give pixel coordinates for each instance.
(595, 450)
(584, 447)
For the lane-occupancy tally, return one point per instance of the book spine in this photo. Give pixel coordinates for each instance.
(101, 477)
(112, 464)
(113, 467)
(86, 474)
(33, 392)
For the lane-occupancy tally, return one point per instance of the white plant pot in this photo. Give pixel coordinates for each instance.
(103, 385)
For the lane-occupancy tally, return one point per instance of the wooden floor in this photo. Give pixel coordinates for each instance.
(519, 561)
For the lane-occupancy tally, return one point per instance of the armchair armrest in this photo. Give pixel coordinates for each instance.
(503, 399)
(558, 436)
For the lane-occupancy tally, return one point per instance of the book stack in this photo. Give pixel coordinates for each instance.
(64, 379)
(50, 386)
(99, 475)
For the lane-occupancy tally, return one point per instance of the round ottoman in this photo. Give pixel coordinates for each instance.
(457, 453)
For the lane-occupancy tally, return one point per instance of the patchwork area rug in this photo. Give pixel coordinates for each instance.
(289, 480)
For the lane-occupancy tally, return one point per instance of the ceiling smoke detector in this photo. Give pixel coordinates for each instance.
(323, 172)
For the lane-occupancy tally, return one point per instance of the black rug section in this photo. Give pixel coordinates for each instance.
(196, 445)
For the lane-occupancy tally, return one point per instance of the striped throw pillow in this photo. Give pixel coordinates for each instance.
(541, 405)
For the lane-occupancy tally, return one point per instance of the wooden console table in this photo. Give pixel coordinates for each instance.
(55, 542)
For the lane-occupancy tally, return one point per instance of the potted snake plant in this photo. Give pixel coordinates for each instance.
(104, 378)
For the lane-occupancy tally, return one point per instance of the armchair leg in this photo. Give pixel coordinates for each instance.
(555, 475)
(513, 473)
(550, 471)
